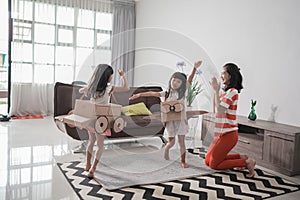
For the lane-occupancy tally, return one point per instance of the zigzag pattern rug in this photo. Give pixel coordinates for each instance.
(231, 184)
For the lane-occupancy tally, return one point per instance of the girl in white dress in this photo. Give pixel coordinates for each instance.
(177, 89)
(99, 90)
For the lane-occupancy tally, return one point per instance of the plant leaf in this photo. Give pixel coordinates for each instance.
(194, 89)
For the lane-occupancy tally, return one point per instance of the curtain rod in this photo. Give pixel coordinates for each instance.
(69, 2)
(78, 1)
(107, 5)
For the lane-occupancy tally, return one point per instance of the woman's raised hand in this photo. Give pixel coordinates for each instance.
(215, 84)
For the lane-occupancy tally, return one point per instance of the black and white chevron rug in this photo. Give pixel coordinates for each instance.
(231, 184)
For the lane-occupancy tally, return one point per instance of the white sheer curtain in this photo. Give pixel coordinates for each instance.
(32, 99)
(48, 48)
(123, 39)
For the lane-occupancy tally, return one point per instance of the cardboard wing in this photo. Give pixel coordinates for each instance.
(77, 121)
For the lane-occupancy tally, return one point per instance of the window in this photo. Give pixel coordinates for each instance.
(85, 38)
(65, 35)
(51, 42)
(22, 30)
(44, 33)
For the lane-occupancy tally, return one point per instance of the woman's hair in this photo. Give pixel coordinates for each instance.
(236, 78)
(99, 80)
(182, 88)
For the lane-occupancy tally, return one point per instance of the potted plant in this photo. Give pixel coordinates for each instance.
(193, 90)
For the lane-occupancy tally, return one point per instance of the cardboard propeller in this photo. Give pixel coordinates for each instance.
(172, 106)
(172, 111)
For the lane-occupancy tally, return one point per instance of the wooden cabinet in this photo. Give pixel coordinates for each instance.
(250, 144)
(207, 131)
(282, 152)
(273, 145)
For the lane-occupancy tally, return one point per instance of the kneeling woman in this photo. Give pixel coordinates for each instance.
(226, 126)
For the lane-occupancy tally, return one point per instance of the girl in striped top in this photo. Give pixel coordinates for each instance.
(226, 126)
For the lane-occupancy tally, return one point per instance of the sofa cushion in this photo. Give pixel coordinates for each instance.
(136, 121)
(136, 109)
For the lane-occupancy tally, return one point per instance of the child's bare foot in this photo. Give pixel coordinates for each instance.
(184, 165)
(91, 173)
(166, 155)
(250, 166)
(87, 167)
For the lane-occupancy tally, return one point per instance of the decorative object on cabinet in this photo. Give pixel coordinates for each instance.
(273, 113)
(252, 116)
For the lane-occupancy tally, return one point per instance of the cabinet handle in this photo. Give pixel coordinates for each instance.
(270, 135)
(244, 141)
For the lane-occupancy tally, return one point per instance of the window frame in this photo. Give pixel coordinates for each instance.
(75, 66)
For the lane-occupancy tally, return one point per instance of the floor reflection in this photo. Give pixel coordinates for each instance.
(27, 169)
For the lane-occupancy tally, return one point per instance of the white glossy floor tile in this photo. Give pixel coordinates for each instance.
(27, 167)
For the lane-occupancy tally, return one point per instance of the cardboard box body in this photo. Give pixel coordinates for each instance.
(172, 111)
(90, 109)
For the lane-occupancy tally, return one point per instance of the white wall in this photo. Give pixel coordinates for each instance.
(262, 37)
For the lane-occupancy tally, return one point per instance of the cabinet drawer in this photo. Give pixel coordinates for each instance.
(279, 150)
(251, 145)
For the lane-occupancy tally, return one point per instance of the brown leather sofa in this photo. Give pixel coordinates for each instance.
(137, 126)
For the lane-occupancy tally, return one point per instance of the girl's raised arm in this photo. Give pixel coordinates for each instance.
(84, 91)
(191, 76)
(145, 94)
(125, 83)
